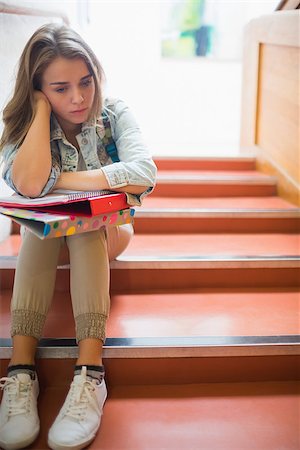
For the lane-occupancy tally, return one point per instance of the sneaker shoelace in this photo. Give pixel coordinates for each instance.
(17, 395)
(80, 398)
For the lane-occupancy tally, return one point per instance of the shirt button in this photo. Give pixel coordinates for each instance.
(84, 141)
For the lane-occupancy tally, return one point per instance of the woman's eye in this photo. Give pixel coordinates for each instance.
(86, 82)
(60, 90)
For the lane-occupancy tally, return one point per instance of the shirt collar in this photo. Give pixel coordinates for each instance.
(56, 131)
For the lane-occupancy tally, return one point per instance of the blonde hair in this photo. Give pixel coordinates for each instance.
(47, 43)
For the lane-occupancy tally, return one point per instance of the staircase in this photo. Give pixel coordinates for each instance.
(203, 337)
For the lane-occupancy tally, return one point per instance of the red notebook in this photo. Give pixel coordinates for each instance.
(78, 203)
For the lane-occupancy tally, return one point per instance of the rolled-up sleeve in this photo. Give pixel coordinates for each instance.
(8, 156)
(53, 177)
(136, 166)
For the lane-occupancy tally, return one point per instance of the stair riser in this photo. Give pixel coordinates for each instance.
(15, 228)
(213, 190)
(132, 280)
(6, 279)
(178, 164)
(215, 225)
(129, 371)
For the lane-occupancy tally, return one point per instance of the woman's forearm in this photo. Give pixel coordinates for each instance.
(32, 164)
(91, 180)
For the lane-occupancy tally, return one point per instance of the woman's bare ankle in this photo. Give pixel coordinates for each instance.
(24, 349)
(18, 362)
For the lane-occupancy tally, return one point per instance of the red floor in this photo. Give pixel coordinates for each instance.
(11, 245)
(253, 174)
(272, 202)
(214, 244)
(207, 163)
(196, 244)
(199, 313)
(202, 417)
(214, 416)
(208, 313)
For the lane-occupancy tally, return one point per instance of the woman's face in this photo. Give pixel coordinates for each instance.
(70, 89)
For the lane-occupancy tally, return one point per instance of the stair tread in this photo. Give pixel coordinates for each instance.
(205, 312)
(235, 174)
(186, 416)
(195, 244)
(213, 244)
(205, 163)
(250, 203)
(11, 245)
(203, 178)
(222, 158)
(169, 417)
(215, 186)
(211, 313)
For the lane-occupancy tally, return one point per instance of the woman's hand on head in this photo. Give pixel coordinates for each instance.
(41, 99)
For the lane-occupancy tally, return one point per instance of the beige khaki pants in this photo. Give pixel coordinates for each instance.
(89, 255)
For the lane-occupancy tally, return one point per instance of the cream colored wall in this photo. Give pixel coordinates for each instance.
(15, 30)
(270, 98)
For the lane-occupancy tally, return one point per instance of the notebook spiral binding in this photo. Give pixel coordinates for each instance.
(79, 195)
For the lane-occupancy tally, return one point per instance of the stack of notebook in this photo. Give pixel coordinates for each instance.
(63, 213)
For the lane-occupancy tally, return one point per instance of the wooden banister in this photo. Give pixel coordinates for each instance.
(270, 98)
(288, 4)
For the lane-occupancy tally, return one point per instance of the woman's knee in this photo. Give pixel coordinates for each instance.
(118, 239)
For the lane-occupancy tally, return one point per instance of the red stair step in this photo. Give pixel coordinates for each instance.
(208, 244)
(205, 312)
(213, 189)
(195, 245)
(219, 222)
(217, 215)
(211, 416)
(214, 184)
(218, 163)
(261, 415)
(131, 279)
(220, 260)
(237, 203)
(203, 175)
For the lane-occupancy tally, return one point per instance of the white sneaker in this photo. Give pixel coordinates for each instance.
(80, 416)
(19, 420)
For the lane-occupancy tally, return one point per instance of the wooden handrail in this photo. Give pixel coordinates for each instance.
(26, 11)
(288, 4)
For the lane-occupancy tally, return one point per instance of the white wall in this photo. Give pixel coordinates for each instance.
(188, 107)
(179, 104)
(15, 30)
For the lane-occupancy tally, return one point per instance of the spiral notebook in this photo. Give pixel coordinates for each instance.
(48, 225)
(79, 203)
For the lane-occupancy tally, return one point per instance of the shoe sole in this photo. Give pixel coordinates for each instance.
(80, 446)
(20, 444)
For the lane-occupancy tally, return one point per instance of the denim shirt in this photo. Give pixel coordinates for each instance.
(136, 166)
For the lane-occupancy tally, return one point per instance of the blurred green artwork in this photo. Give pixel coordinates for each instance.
(187, 29)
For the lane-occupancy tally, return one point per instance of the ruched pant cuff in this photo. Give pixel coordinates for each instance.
(90, 325)
(27, 323)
